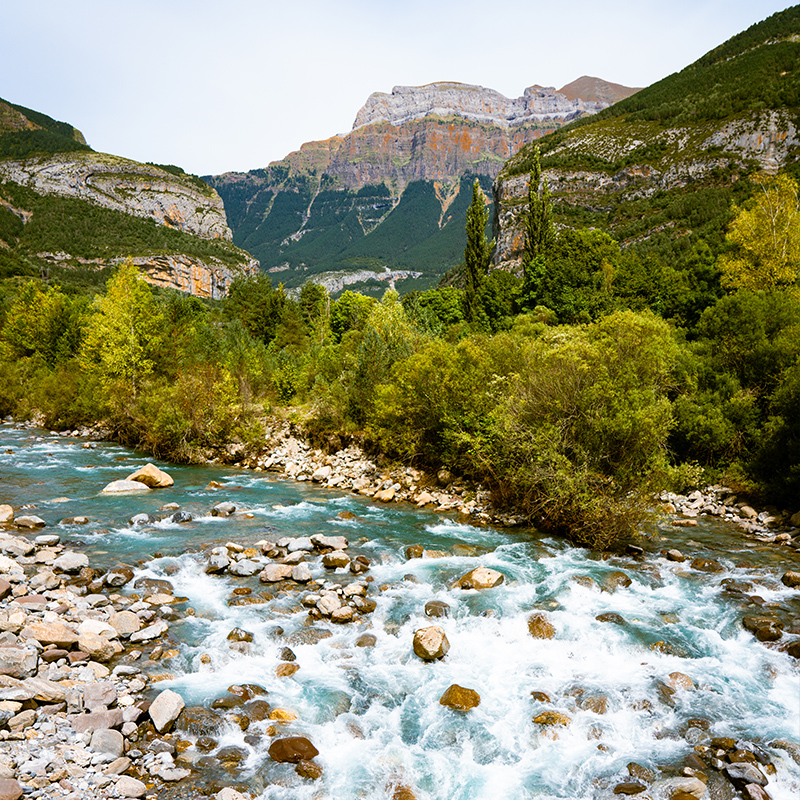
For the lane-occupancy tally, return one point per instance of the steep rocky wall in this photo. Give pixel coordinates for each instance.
(406, 103)
(690, 155)
(202, 278)
(127, 186)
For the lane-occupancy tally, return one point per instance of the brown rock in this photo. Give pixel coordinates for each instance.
(414, 551)
(286, 670)
(10, 789)
(540, 627)
(459, 698)
(308, 769)
(150, 475)
(335, 560)
(677, 680)
(431, 643)
(550, 718)
(614, 580)
(791, 579)
(480, 578)
(707, 565)
(542, 697)
(57, 633)
(631, 787)
(437, 608)
(366, 640)
(292, 750)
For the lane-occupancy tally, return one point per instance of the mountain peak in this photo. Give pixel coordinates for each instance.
(596, 89)
(479, 104)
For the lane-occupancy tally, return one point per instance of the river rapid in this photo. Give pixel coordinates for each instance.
(373, 712)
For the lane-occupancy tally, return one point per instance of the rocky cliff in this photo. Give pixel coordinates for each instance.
(385, 194)
(142, 190)
(50, 181)
(670, 161)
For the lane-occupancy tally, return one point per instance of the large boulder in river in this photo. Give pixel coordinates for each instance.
(459, 698)
(791, 579)
(6, 513)
(292, 750)
(480, 578)
(31, 521)
(125, 487)
(150, 475)
(431, 643)
(540, 627)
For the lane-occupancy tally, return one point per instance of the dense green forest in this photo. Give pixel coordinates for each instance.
(572, 393)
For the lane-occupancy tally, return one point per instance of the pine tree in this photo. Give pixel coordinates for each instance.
(477, 252)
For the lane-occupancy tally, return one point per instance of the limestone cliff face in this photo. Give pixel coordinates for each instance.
(201, 277)
(406, 103)
(686, 155)
(128, 186)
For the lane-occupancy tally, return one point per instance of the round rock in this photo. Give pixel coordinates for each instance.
(480, 578)
(431, 643)
(292, 750)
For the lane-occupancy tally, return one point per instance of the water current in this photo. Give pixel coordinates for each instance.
(373, 712)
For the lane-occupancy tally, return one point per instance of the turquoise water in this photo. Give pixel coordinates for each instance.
(373, 713)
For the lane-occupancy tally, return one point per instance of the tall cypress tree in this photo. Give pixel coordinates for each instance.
(539, 232)
(477, 251)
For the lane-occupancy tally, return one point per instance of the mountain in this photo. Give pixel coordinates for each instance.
(66, 208)
(660, 169)
(389, 198)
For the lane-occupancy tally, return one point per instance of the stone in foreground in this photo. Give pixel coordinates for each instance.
(431, 643)
(460, 699)
(292, 750)
(165, 709)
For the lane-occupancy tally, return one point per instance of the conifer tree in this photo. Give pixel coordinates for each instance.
(477, 251)
(539, 232)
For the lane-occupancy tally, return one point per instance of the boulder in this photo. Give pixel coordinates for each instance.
(322, 542)
(244, 567)
(335, 560)
(677, 680)
(6, 513)
(127, 786)
(10, 789)
(70, 561)
(414, 551)
(540, 627)
(791, 579)
(550, 718)
(292, 750)
(151, 476)
(18, 662)
(614, 580)
(343, 614)
(99, 696)
(98, 647)
(125, 487)
(30, 522)
(57, 633)
(301, 543)
(301, 573)
(158, 628)
(430, 643)
(273, 573)
(223, 509)
(437, 608)
(165, 709)
(707, 565)
(480, 578)
(321, 474)
(385, 495)
(119, 575)
(459, 698)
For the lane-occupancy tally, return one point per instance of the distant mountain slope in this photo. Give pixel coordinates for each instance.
(393, 192)
(64, 206)
(662, 166)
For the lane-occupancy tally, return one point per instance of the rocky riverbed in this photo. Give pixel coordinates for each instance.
(86, 649)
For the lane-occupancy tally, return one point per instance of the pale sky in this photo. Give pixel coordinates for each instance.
(219, 86)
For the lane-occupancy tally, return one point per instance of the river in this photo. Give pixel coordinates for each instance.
(373, 712)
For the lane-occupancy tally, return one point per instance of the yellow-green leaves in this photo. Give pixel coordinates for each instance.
(124, 332)
(766, 238)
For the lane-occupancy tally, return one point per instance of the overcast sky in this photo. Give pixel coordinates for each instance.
(216, 86)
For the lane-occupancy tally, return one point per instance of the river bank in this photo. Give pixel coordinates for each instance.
(326, 598)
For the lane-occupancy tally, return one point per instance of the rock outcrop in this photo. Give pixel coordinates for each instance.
(143, 190)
